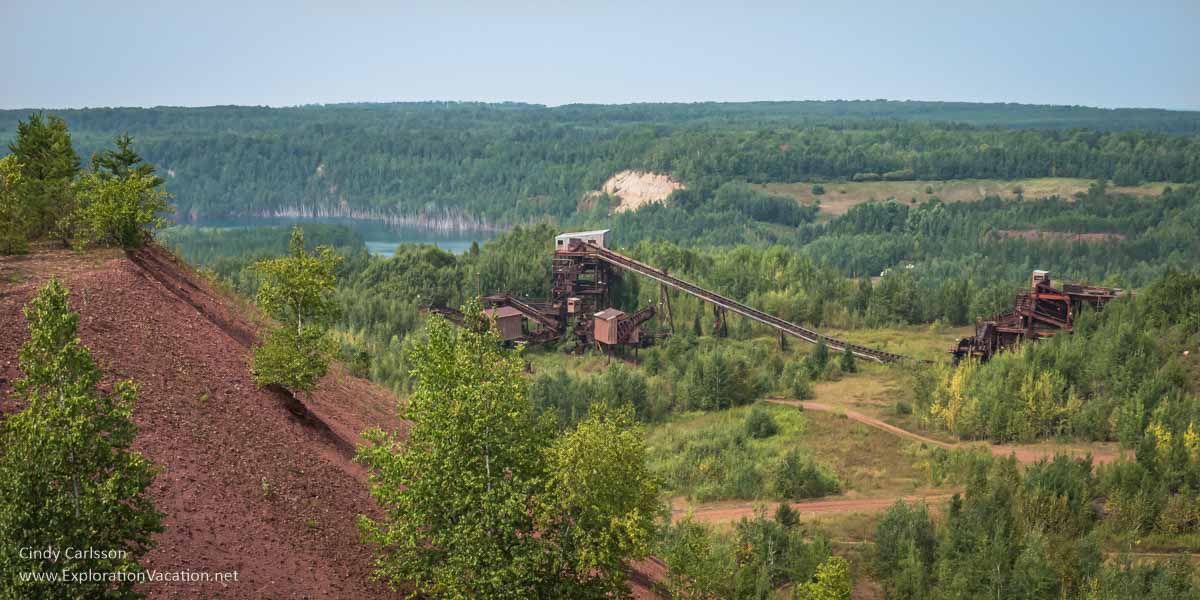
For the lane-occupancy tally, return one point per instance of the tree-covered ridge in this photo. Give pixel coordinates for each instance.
(510, 163)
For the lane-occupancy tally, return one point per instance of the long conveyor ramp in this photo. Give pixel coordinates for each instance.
(624, 262)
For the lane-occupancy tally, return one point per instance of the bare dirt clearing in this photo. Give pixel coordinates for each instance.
(638, 188)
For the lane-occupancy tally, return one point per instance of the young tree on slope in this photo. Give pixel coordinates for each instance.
(481, 502)
(297, 290)
(119, 211)
(120, 199)
(68, 478)
(14, 228)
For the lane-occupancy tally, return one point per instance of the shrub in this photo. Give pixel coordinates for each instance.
(797, 477)
(847, 363)
(818, 189)
(119, 211)
(1180, 515)
(760, 424)
(785, 515)
(831, 582)
(801, 386)
(904, 541)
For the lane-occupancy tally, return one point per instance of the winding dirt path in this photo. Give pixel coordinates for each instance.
(1101, 454)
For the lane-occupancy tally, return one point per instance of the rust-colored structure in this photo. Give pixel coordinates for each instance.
(580, 307)
(1041, 312)
(605, 330)
(509, 322)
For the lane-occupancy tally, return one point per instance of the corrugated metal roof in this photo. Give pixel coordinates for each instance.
(503, 311)
(609, 314)
(583, 233)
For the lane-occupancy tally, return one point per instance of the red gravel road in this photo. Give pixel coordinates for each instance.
(246, 484)
(723, 512)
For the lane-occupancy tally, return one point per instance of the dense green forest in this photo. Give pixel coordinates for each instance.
(467, 164)
(1031, 533)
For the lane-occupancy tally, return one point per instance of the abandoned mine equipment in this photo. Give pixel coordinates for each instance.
(1041, 312)
(584, 270)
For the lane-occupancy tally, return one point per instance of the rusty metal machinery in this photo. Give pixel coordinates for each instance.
(579, 308)
(1041, 312)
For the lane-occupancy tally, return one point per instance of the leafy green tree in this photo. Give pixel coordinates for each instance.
(293, 359)
(458, 493)
(14, 230)
(297, 290)
(832, 582)
(119, 211)
(696, 567)
(600, 503)
(481, 501)
(68, 478)
(48, 167)
(718, 380)
(904, 550)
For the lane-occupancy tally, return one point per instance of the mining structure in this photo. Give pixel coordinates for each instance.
(1041, 312)
(580, 307)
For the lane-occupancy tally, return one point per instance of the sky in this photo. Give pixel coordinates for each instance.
(1103, 53)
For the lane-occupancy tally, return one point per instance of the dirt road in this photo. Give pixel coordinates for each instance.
(720, 512)
(1101, 454)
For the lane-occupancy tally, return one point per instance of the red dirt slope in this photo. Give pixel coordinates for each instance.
(251, 480)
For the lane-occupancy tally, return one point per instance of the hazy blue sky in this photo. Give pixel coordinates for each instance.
(131, 53)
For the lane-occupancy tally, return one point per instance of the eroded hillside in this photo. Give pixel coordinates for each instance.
(250, 480)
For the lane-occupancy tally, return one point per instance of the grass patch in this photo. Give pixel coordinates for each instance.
(930, 342)
(867, 461)
(714, 456)
(840, 197)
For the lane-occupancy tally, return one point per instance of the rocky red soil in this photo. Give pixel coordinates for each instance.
(250, 480)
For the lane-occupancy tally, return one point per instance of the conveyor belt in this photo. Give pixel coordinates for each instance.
(808, 335)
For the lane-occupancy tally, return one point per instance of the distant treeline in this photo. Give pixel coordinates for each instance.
(511, 163)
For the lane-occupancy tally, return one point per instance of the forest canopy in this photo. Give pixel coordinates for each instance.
(475, 164)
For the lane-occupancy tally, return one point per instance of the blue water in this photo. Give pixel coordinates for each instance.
(381, 239)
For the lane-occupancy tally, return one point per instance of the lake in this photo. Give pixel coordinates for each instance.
(381, 239)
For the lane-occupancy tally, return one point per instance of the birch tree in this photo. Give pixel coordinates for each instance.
(68, 476)
(297, 291)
